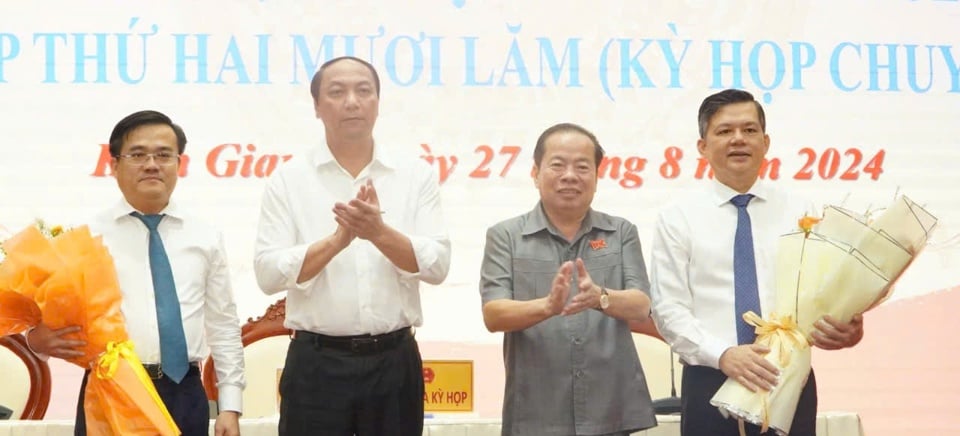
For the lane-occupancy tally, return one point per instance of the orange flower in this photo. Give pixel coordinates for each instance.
(807, 222)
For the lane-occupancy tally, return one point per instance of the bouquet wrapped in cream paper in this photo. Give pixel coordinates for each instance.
(839, 265)
(67, 278)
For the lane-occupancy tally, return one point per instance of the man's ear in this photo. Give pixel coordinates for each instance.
(701, 145)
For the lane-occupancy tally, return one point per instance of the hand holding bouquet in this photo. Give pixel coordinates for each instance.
(839, 265)
(67, 278)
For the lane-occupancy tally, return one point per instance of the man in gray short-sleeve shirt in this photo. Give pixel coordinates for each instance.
(562, 282)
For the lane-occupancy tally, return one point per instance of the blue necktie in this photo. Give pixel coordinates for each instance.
(746, 294)
(173, 345)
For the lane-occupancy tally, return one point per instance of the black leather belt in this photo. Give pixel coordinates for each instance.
(362, 344)
(156, 372)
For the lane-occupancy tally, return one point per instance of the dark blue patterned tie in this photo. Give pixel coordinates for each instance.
(173, 345)
(747, 296)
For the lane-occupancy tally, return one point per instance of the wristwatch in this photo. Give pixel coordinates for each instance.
(604, 298)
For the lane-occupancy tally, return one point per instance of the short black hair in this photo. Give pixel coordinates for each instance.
(540, 148)
(143, 118)
(315, 83)
(714, 102)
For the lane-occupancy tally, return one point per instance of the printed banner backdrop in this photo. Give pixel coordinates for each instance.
(862, 102)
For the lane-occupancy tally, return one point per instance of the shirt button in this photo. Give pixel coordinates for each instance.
(577, 341)
(578, 373)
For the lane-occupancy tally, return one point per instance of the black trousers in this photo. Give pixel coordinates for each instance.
(699, 418)
(186, 402)
(335, 392)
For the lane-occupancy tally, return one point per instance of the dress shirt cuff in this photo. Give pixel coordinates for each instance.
(230, 398)
(26, 339)
(430, 267)
(710, 353)
(291, 263)
(404, 274)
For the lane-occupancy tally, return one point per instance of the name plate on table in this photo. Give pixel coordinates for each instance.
(448, 385)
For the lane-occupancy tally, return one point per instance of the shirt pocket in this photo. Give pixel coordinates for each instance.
(532, 278)
(606, 270)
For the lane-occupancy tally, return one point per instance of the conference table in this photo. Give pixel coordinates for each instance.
(828, 424)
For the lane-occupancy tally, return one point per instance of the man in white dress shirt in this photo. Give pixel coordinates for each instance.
(146, 147)
(349, 231)
(694, 270)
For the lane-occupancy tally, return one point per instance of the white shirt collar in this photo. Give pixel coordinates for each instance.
(322, 156)
(723, 193)
(123, 208)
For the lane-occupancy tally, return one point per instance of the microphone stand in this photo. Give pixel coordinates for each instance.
(671, 404)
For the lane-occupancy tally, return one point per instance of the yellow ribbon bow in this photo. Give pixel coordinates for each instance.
(107, 364)
(785, 331)
(134, 396)
(784, 328)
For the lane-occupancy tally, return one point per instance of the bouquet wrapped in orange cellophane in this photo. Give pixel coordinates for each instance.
(68, 279)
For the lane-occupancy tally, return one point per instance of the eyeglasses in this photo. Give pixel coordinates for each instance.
(161, 158)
